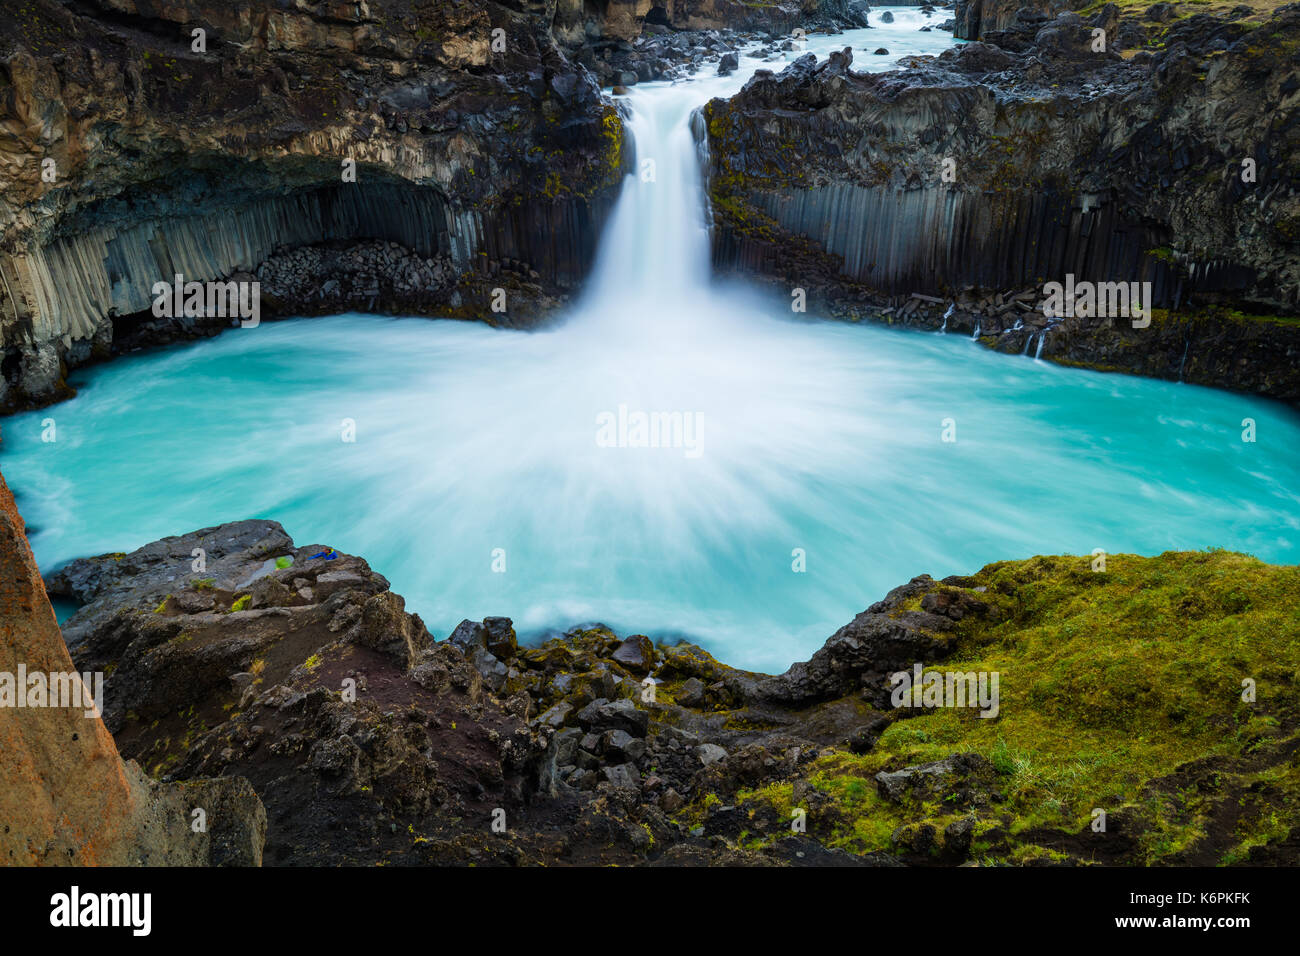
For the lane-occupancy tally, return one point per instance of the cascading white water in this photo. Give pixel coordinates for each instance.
(817, 476)
(656, 248)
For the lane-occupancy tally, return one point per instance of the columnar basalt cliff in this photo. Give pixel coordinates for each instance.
(138, 148)
(371, 742)
(973, 178)
(67, 797)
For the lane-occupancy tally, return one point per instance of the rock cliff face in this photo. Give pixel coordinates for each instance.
(580, 21)
(371, 742)
(992, 170)
(976, 18)
(136, 151)
(68, 798)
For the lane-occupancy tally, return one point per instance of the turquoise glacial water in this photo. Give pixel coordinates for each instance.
(817, 436)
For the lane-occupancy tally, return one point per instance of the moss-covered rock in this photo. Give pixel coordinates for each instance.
(1156, 696)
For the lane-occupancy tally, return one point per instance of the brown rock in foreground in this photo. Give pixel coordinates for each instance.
(68, 798)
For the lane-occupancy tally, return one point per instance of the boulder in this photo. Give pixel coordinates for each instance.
(710, 753)
(691, 693)
(637, 654)
(961, 779)
(623, 714)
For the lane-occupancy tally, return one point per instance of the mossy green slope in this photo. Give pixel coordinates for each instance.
(1124, 690)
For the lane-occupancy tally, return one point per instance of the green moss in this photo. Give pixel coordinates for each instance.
(612, 130)
(241, 603)
(779, 796)
(1217, 315)
(1109, 683)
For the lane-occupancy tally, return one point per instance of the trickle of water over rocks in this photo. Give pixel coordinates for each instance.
(499, 472)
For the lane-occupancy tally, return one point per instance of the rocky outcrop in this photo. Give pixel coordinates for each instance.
(977, 18)
(68, 798)
(206, 137)
(580, 21)
(371, 742)
(989, 171)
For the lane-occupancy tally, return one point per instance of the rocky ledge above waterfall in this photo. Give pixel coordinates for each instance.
(369, 741)
(953, 189)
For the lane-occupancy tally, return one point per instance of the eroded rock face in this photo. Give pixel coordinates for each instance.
(627, 19)
(991, 170)
(883, 639)
(137, 154)
(976, 18)
(68, 798)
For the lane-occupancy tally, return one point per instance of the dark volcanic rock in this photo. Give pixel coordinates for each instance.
(961, 780)
(230, 558)
(299, 670)
(476, 146)
(861, 655)
(370, 743)
(977, 18)
(637, 654)
(953, 189)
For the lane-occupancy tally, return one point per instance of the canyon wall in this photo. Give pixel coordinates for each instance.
(68, 798)
(134, 152)
(579, 21)
(997, 169)
(976, 18)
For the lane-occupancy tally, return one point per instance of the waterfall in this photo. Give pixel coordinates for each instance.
(1038, 353)
(655, 250)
